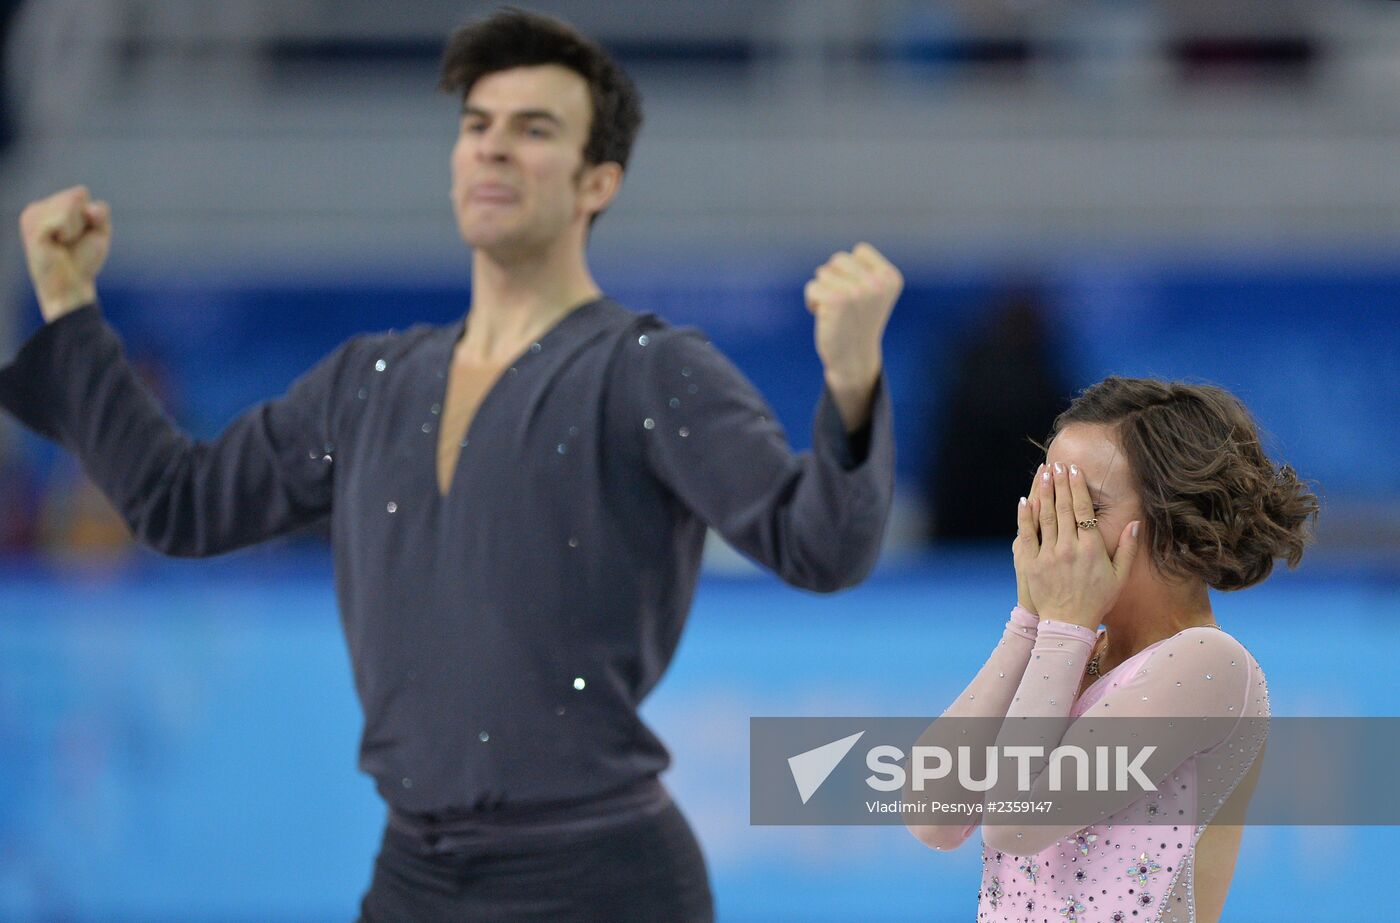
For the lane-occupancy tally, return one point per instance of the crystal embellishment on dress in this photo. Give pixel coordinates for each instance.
(1083, 841)
(1030, 868)
(1142, 868)
(1072, 909)
(994, 892)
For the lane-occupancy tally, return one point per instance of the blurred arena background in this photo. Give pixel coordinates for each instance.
(1181, 189)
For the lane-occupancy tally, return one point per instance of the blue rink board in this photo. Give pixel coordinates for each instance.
(179, 745)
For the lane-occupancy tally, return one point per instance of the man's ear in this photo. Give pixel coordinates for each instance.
(598, 186)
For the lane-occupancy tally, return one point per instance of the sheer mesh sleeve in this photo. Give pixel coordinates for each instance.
(1188, 699)
(988, 696)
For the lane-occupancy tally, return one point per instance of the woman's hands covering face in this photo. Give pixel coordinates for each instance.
(1063, 572)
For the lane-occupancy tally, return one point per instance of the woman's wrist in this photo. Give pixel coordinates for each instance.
(1055, 627)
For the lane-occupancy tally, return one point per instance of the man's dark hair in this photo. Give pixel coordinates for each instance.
(515, 38)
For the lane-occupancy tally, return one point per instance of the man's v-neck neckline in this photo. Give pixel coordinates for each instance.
(506, 371)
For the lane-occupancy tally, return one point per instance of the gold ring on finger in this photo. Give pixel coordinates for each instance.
(1089, 523)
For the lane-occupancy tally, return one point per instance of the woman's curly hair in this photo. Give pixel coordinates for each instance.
(1214, 505)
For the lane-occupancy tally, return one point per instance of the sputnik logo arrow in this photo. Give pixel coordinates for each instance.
(810, 769)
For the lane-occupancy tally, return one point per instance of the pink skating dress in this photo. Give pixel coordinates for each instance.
(1130, 867)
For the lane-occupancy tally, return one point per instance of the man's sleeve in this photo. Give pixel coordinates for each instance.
(817, 518)
(269, 472)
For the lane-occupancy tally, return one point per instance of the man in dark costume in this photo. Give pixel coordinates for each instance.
(517, 501)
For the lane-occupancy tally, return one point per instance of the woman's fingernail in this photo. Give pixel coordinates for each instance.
(1059, 468)
(1023, 501)
(1074, 470)
(1135, 529)
(1045, 477)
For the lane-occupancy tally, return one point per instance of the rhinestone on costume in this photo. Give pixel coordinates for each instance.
(1072, 909)
(407, 782)
(1083, 841)
(684, 432)
(380, 365)
(363, 393)
(573, 541)
(535, 347)
(674, 402)
(643, 340)
(1030, 868)
(1142, 868)
(994, 892)
(435, 409)
(392, 507)
(427, 427)
(483, 737)
(579, 683)
(1145, 899)
(561, 448)
(685, 373)
(649, 423)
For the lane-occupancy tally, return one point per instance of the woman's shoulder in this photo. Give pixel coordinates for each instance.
(1209, 648)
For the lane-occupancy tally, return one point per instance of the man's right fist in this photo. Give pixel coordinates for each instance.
(66, 237)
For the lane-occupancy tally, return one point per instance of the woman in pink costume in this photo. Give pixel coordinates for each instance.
(1150, 493)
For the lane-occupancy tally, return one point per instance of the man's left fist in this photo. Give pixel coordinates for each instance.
(851, 296)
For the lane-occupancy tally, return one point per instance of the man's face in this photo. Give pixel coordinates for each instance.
(517, 165)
